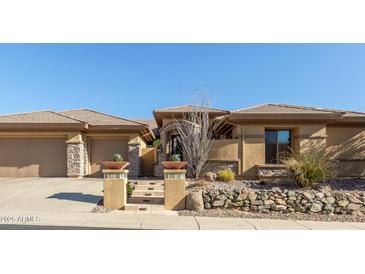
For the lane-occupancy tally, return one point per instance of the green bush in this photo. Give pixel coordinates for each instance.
(225, 175)
(156, 143)
(117, 158)
(310, 168)
(129, 189)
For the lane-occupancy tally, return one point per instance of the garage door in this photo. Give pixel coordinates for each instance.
(103, 150)
(43, 157)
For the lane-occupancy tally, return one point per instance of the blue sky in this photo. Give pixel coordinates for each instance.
(131, 80)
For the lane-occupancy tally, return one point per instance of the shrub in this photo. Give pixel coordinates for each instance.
(310, 168)
(117, 158)
(129, 189)
(225, 175)
(156, 143)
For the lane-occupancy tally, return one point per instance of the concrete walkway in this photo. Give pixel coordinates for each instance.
(120, 220)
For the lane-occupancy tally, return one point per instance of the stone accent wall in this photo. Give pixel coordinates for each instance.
(217, 165)
(286, 201)
(75, 159)
(87, 161)
(134, 153)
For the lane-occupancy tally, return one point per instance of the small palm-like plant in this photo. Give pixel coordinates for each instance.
(310, 168)
(176, 158)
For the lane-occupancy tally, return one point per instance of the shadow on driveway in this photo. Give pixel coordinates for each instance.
(78, 197)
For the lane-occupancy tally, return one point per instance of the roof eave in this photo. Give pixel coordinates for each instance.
(240, 117)
(116, 127)
(43, 126)
(160, 115)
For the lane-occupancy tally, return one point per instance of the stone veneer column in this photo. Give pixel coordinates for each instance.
(134, 154)
(75, 158)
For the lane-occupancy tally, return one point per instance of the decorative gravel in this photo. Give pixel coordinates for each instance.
(232, 213)
(346, 185)
(100, 208)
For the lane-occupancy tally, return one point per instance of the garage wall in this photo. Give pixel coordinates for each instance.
(103, 150)
(33, 157)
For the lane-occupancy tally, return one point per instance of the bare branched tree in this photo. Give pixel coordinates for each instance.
(195, 133)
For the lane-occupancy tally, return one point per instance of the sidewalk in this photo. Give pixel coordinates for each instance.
(118, 220)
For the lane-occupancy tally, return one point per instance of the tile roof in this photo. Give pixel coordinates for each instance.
(151, 123)
(146, 121)
(285, 109)
(95, 118)
(188, 108)
(38, 117)
(271, 108)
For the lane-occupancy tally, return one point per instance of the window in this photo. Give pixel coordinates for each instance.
(176, 146)
(277, 145)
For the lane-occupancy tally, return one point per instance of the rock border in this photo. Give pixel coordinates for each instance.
(285, 201)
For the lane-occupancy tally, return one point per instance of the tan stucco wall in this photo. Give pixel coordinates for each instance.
(310, 137)
(226, 149)
(254, 149)
(148, 159)
(347, 145)
(303, 137)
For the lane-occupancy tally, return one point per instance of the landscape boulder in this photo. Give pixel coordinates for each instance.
(194, 201)
(210, 176)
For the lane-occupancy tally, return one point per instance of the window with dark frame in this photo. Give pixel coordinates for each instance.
(176, 146)
(277, 145)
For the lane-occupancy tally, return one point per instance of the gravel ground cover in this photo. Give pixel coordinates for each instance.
(346, 185)
(233, 213)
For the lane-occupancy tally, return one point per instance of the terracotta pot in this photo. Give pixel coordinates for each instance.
(115, 165)
(174, 165)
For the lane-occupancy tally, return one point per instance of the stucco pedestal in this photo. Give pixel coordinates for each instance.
(175, 189)
(115, 188)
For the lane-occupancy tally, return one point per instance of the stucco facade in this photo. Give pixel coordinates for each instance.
(74, 143)
(241, 137)
(60, 145)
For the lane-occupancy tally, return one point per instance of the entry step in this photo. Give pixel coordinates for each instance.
(150, 183)
(146, 200)
(144, 207)
(148, 187)
(148, 193)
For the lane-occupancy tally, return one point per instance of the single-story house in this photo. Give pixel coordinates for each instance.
(249, 141)
(69, 143)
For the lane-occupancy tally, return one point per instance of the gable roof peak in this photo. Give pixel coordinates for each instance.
(42, 117)
(308, 108)
(251, 107)
(26, 113)
(94, 117)
(184, 108)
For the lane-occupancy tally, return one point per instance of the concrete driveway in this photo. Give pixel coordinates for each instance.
(37, 195)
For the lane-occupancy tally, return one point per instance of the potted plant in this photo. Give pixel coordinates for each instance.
(116, 163)
(175, 162)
